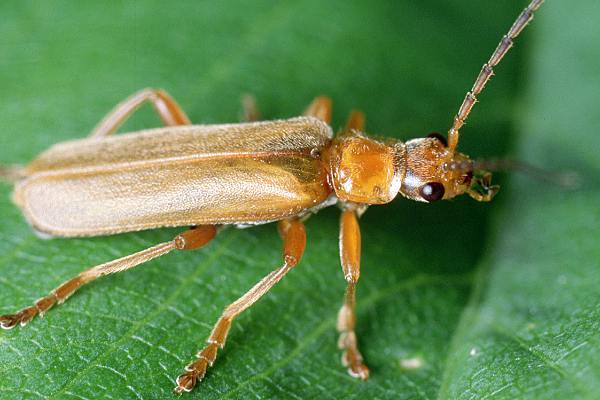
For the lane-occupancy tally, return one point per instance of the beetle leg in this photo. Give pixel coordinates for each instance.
(320, 108)
(294, 241)
(11, 173)
(350, 259)
(167, 109)
(250, 111)
(188, 240)
(355, 122)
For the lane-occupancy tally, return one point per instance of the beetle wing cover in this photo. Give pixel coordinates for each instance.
(177, 176)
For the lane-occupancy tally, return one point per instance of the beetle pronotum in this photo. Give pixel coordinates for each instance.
(285, 170)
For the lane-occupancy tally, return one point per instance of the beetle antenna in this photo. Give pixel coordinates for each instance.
(11, 173)
(565, 179)
(488, 70)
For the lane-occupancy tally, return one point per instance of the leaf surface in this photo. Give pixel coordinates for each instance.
(456, 300)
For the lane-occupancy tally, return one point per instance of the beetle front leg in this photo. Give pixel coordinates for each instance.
(165, 106)
(294, 242)
(189, 240)
(350, 259)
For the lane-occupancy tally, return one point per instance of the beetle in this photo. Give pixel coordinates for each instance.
(256, 172)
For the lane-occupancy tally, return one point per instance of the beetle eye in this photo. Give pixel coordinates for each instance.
(432, 191)
(439, 137)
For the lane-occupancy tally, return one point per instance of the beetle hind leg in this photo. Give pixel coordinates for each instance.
(294, 241)
(189, 240)
(320, 108)
(165, 106)
(250, 110)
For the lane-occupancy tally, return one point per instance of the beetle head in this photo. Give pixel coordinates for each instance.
(434, 172)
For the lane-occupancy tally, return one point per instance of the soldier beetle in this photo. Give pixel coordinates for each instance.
(256, 172)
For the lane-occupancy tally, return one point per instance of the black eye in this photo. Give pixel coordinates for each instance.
(432, 191)
(439, 137)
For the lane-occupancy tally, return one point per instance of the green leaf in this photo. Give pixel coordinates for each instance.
(456, 300)
(531, 329)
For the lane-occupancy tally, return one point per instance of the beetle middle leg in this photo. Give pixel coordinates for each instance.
(188, 240)
(250, 111)
(350, 259)
(294, 240)
(320, 108)
(165, 106)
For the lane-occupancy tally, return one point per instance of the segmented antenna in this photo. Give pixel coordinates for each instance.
(488, 70)
(565, 179)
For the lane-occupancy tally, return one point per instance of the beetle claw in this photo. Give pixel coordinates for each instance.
(9, 321)
(22, 317)
(185, 383)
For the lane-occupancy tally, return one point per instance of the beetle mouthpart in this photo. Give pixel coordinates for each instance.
(481, 187)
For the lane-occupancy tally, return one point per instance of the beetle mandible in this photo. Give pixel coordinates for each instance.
(207, 176)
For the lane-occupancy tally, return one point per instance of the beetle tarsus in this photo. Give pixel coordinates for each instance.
(205, 358)
(356, 368)
(9, 321)
(194, 373)
(186, 382)
(351, 357)
(21, 318)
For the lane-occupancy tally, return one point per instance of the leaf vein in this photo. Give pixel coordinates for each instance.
(374, 298)
(164, 306)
